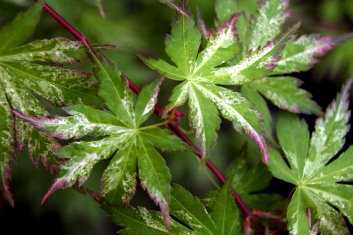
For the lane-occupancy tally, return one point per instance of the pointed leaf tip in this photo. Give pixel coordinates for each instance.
(58, 184)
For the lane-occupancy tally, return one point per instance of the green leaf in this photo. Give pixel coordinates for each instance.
(237, 109)
(119, 178)
(293, 135)
(285, 93)
(302, 53)
(318, 181)
(105, 133)
(226, 8)
(183, 44)
(58, 50)
(225, 213)
(164, 140)
(255, 64)
(146, 101)
(20, 29)
(137, 221)
(189, 210)
(329, 135)
(221, 47)
(249, 180)
(140, 220)
(298, 221)
(203, 118)
(268, 21)
(113, 91)
(154, 175)
(6, 146)
(56, 85)
(189, 216)
(179, 96)
(27, 72)
(198, 69)
(260, 105)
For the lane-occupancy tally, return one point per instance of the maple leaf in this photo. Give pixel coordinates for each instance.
(24, 70)
(320, 179)
(116, 133)
(192, 217)
(255, 29)
(201, 72)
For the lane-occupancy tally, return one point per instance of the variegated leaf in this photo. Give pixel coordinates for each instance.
(190, 211)
(58, 50)
(320, 183)
(203, 117)
(329, 135)
(119, 178)
(189, 216)
(268, 21)
(260, 105)
(154, 175)
(7, 145)
(302, 53)
(237, 109)
(103, 133)
(284, 92)
(257, 63)
(146, 101)
(141, 220)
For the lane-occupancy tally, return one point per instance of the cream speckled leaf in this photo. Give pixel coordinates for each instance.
(58, 50)
(190, 211)
(260, 105)
(6, 145)
(203, 117)
(103, 133)
(257, 63)
(179, 96)
(154, 175)
(190, 216)
(301, 54)
(222, 46)
(321, 184)
(143, 221)
(19, 73)
(284, 92)
(271, 14)
(119, 178)
(329, 135)
(237, 109)
(146, 101)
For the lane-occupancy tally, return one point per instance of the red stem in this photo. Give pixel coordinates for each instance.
(82, 38)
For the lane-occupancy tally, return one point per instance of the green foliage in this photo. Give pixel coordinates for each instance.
(189, 212)
(318, 176)
(25, 70)
(120, 135)
(228, 71)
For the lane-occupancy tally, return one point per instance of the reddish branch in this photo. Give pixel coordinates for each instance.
(82, 38)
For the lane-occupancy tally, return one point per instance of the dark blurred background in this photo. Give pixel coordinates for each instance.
(140, 26)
